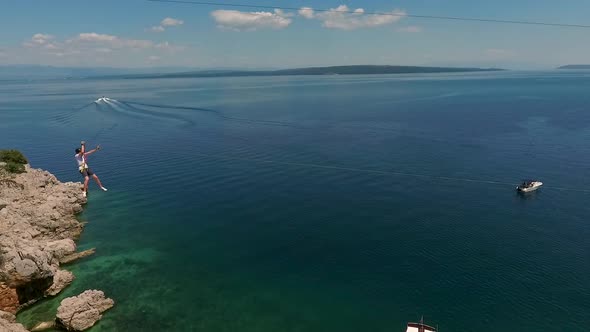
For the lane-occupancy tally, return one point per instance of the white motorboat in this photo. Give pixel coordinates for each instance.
(420, 327)
(529, 185)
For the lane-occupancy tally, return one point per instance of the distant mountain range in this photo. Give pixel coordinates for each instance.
(574, 67)
(45, 72)
(334, 70)
(51, 72)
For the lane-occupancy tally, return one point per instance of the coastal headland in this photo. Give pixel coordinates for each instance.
(38, 230)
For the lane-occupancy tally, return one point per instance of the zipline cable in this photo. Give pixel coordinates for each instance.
(433, 17)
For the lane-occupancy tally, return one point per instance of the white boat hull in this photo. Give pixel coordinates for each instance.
(535, 185)
(419, 327)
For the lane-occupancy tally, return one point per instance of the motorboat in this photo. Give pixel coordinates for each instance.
(420, 327)
(529, 185)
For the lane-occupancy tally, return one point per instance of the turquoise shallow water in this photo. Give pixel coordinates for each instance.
(323, 203)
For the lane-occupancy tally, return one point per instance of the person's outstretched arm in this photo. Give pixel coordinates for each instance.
(92, 151)
(82, 147)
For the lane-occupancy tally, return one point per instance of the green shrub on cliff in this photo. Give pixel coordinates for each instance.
(15, 161)
(14, 156)
(14, 167)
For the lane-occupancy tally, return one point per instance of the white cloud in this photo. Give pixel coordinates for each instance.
(92, 46)
(164, 46)
(96, 37)
(40, 40)
(110, 41)
(344, 18)
(135, 43)
(105, 42)
(306, 12)
(171, 22)
(282, 13)
(153, 58)
(410, 29)
(249, 21)
(167, 22)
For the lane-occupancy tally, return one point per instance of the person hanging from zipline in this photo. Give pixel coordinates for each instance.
(80, 156)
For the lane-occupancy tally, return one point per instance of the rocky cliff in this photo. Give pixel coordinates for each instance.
(37, 231)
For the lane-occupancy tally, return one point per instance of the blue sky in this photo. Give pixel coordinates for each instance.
(139, 33)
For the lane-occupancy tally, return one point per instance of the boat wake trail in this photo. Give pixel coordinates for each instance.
(171, 107)
(108, 105)
(142, 111)
(141, 107)
(66, 117)
(138, 109)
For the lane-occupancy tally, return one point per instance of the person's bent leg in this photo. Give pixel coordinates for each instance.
(98, 182)
(86, 178)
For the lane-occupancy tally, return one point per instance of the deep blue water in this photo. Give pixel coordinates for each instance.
(340, 203)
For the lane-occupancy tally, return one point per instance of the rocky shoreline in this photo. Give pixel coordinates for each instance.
(38, 227)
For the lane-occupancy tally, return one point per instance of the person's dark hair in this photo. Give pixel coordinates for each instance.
(78, 150)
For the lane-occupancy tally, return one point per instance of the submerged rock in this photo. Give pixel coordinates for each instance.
(75, 256)
(43, 326)
(81, 312)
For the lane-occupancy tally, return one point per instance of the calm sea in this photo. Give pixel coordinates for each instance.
(335, 203)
